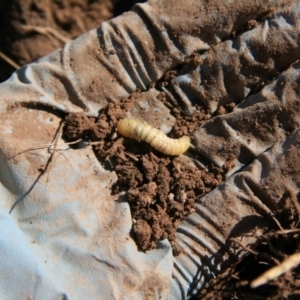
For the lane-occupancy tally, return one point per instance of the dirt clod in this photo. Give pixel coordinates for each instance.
(143, 233)
(78, 125)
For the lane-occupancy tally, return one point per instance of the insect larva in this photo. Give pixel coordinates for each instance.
(140, 130)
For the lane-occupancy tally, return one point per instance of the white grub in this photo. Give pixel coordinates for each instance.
(140, 130)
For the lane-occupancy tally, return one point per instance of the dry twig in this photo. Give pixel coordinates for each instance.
(46, 31)
(288, 264)
(9, 60)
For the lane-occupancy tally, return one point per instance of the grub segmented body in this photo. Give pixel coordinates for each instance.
(140, 130)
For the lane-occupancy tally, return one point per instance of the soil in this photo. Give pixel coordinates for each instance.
(31, 29)
(161, 190)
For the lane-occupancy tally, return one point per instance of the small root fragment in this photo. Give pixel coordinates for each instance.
(287, 265)
(46, 31)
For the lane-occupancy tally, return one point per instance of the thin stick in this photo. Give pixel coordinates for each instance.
(45, 146)
(294, 201)
(80, 24)
(131, 156)
(243, 246)
(69, 143)
(95, 143)
(47, 168)
(45, 31)
(257, 254)
(283, 232)
(52, 157)
(9, 61)
(288, 264)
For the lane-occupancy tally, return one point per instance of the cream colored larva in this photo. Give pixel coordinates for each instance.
(140, 130)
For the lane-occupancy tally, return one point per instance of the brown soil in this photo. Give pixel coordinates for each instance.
(161, 190)
(24, 26)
